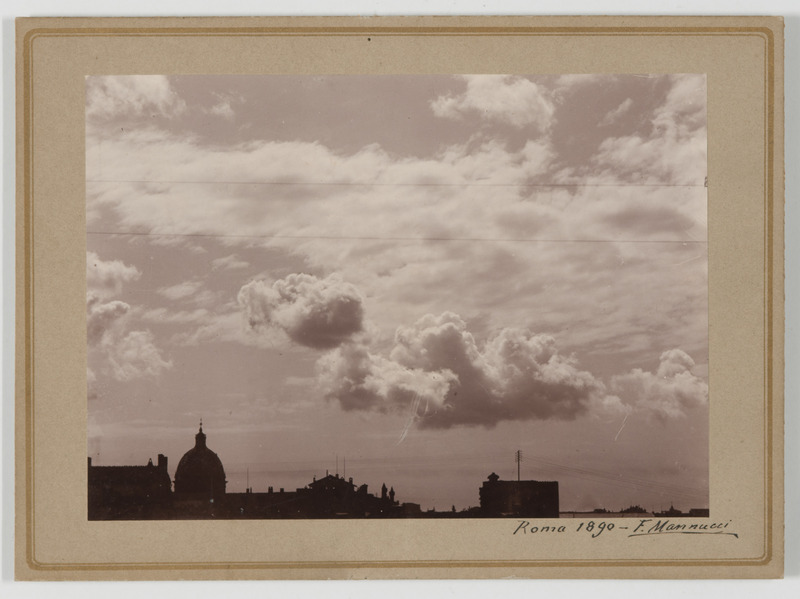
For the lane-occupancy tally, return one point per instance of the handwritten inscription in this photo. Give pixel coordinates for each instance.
(645, 527)
(524, 527)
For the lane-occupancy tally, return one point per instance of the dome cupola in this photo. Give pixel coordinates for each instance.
(200, 472)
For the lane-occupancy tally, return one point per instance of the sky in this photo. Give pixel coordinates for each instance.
(405, 279)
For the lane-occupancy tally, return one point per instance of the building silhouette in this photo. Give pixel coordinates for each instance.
(527, 498)
(200, 474)
(129, 492)
(200, 492)
(332, 496)
(146, 492)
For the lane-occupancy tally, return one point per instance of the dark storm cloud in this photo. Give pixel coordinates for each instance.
(317, 313)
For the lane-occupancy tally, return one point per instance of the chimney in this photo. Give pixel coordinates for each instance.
(162, 462)
(90, 462)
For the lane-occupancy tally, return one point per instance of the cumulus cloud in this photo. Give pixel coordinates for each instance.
(100, 317)
(513, 100)
(317, 313)
(684, 108)
(360, 380)
(135, 355)
(133, 95)
(669, 393)
(114, 349)
(674, 151)
(437, 367)
(105, 277)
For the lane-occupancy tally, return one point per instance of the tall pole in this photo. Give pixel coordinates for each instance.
(518, 458)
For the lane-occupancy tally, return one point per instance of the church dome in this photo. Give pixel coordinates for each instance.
(200, 471)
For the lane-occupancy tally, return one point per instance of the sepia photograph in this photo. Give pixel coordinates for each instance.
(397, 296)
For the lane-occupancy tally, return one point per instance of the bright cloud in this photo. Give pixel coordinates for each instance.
(670, 392)
(224, 105)
(100, 317)
(114, 349)
(437, 365)
(135, 355)
(614, 115)
(317, 313)
(675, 150)
(181, 290)
(439, 372)
(360, 380)
(105, 278)
(391, 225)
(513, 100)
(133, 95)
